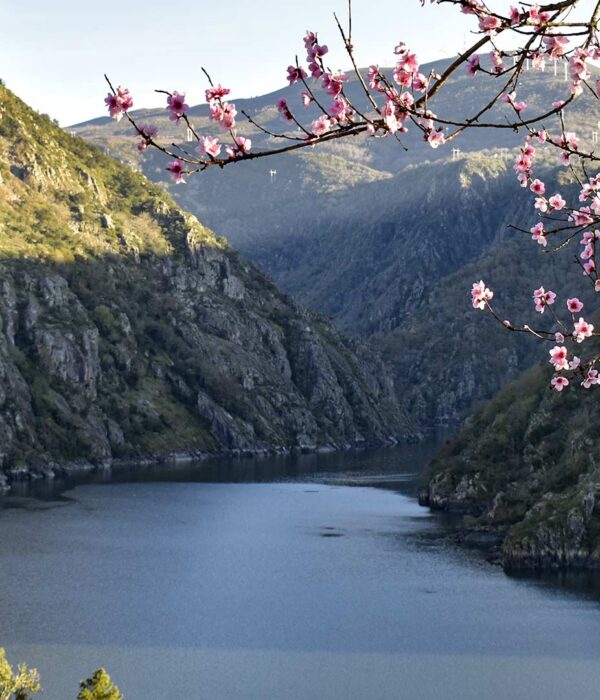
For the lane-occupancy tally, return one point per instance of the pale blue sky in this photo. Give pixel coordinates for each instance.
(53, 54)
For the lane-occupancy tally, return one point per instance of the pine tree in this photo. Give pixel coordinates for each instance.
(99, 687)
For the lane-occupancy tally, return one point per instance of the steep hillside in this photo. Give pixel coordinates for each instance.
(378, 248)
(527, 463)
(128, 329)
(447, 356)
(249, 207)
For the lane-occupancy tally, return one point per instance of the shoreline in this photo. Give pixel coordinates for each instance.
(52, 471)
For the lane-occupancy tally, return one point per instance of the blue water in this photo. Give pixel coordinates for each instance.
(292, 585)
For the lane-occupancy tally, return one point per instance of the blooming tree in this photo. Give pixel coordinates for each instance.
(404, 98)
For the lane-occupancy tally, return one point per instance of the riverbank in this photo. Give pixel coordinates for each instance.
(526, 466)
(51, 470)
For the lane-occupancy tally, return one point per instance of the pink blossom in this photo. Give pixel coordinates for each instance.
(306, 98)
(374, 78)
(558, 357)
(118, 103)
(498, 65)
(240, 147)
(589, 237)
(578, 67)
(556, 202)
(537, 187)
(420, 82)
(588, 252)
(541, 205)
(176, 105)
(473, 65)
(569, 140)
(559, 383)
(583, 330)
(589, 267)
(523, 163)
(322, 125)
(528, 150)
(556, 45)
(341, 110)
(310, 38)
(406, 100)
(581, 217)
(537, 234)
(244, 144)
(390, 116)
(510, 98)
(543, 298)
(410, 62)
(591, 378)
(224, 114)
(436, 137)
(216, 93)
(515, 16)
(334, 82)
(296, 74)
(559, 337)
(489, 24)
(480, 295)
(176, 169)
(284, 110)
(538, 17)
(575, 362)
(403, 77)
(148, 132)
(574, 305)
(209, 146)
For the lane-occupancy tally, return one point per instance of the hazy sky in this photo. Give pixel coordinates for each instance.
(53, 53)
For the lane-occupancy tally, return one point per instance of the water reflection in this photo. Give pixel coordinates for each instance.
(398, 468)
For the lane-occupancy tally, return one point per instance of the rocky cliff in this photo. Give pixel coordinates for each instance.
(128, 329)
(527, 463)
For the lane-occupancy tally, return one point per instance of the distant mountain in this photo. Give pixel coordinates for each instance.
(128, 329)
(366, 232)
(251, 208)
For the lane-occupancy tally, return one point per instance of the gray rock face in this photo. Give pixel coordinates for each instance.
(130, 331)
(192, 351)
(527, 464)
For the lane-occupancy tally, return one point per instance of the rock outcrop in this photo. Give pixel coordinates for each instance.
(129, 330)
(526, 464)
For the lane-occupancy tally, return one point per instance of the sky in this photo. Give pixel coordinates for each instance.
(53, 54)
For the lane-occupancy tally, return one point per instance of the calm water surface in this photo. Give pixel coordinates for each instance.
(314, 577)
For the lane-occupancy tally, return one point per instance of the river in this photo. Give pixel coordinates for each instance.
(309, 577)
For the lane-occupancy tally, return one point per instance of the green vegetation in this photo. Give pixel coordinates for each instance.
(129, 330)
(17, 685)
(527, 462)
(99, 687)
(24, 682)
